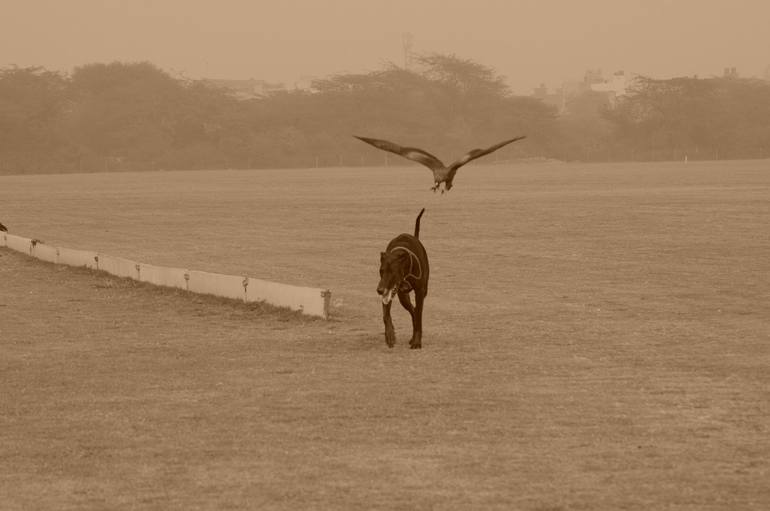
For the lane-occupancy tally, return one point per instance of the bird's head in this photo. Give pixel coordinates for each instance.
(394, 267)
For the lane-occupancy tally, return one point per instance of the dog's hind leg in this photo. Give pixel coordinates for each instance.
(390, 332)
(416, 342)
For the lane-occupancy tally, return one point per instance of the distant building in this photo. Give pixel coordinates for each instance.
(593, 76)
(614, 87)
(730, 72)
(305, 82)
(555, 98)
(246, 89)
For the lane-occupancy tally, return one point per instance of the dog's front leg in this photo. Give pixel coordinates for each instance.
(404, 299)
(390, 332)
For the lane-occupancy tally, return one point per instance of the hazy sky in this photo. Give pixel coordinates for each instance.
(528, 41)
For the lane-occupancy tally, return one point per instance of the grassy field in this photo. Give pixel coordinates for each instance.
(596, 337)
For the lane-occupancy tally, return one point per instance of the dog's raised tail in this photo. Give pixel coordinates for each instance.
(417, 224)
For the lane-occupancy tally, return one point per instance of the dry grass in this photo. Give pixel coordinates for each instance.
(596, 338)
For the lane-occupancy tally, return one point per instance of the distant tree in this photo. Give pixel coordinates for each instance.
(32, 101)
(701, 118)
(123, 111)
(463, 76)
(586, 133)
(136, 116)
(444, 103)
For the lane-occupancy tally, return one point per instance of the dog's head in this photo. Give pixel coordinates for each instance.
(394, 266)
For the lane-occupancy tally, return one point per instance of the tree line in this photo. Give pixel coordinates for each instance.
(135, 116)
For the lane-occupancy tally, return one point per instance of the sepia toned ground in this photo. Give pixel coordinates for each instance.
(596, 337)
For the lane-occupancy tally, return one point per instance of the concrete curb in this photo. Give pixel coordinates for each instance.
(308, 300)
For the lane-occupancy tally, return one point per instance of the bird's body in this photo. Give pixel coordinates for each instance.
(441, 173)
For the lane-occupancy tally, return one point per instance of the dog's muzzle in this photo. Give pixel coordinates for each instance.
(388, 295)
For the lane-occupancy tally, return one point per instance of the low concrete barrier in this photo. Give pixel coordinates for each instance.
(228, 286)
(118, 266)
(163, 276)
(45, 252)
(72, 257)
(311, 301)
(18, 243)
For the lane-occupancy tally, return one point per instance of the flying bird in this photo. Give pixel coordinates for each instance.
(441, 173)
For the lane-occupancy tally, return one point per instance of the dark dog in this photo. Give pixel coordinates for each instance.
(404, 268)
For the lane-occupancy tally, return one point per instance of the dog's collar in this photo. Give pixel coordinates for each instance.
(412, 258)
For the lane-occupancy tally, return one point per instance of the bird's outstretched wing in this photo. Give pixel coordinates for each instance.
(411, 153)
(478, 153)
